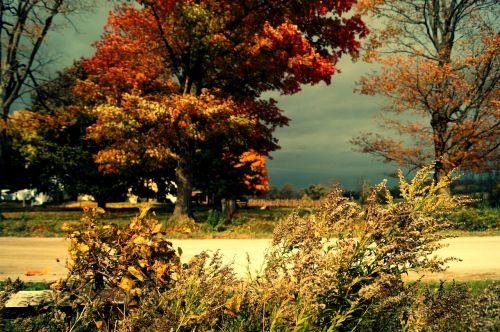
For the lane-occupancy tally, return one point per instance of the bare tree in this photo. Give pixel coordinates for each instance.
(24, 25)
(440, 63)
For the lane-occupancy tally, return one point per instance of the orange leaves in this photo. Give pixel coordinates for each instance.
(292, 53)
(423, 85)
(127, 58)
(180, 78)
(449, 81)
(364, 6)
(256, 177)
(163, 33)
(155, 129)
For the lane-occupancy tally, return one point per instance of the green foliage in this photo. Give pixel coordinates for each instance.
(17, 285)
(213, 219)
(474, 219)
(316, 191)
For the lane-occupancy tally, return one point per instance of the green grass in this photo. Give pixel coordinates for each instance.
(249, 222)
(476, 287)
(40, 222)
(26, 286)
(475, 219)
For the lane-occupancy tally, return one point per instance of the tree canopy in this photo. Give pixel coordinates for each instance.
(24, 26)
(440, 72)
(174, 76)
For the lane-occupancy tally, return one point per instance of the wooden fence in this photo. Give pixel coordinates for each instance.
(294, 203)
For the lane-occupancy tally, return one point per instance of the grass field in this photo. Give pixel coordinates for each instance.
(251, 222)
(46, 222)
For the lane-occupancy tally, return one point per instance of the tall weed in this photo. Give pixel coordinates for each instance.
(339, 269)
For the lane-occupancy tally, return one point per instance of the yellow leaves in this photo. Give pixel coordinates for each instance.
(232, 305)
(82, 248)
(157, 229)
(144, 212)
(56, 285)
(127, 284)
(140, 240)
(425, 194)
(135, 258)
(99, 325)
(136, 272)
(161, 270)
(65, 227)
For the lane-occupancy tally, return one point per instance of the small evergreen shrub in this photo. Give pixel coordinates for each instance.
(213, 219)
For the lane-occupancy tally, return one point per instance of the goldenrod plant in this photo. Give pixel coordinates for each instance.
(339, 269)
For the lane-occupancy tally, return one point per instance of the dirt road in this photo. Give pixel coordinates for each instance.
(44, 259)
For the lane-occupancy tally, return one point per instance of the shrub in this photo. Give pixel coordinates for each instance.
(195, 302)
(484, 310)
(314, 278)
(213, 219)
(474, 218)
(338, 269)
(112, 264)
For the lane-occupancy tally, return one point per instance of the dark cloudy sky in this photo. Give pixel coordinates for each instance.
(315, 146)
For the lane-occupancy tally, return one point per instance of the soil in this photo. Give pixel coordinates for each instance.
(44, 259)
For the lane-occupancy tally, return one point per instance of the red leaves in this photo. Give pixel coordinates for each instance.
(268, 45)
(126, 59)
(285, 48)
(153, 64)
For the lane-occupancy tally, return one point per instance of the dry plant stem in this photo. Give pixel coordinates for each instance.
(339, 269)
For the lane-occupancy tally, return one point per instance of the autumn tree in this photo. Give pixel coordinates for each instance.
(24, 26)
(439, 75)
(202, 66)
(49, 148)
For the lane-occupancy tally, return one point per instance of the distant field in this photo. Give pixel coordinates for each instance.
(251, 222)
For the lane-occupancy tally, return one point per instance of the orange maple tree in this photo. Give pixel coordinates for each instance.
(172, 75)
(439, 73)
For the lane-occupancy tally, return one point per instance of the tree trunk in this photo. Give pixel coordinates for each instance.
(3, 169)
(228, 208)
(101, 202)
(441, 169)
(184, 179)
(3, 156)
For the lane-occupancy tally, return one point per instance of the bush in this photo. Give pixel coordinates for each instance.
(474, 219)
(330, 271)
(213, 219)
(325, 271)
(114, 265)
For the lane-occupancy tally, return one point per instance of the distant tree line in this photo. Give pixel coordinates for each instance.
(484, 186)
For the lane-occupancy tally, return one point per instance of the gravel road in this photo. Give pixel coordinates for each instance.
(44, 259)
